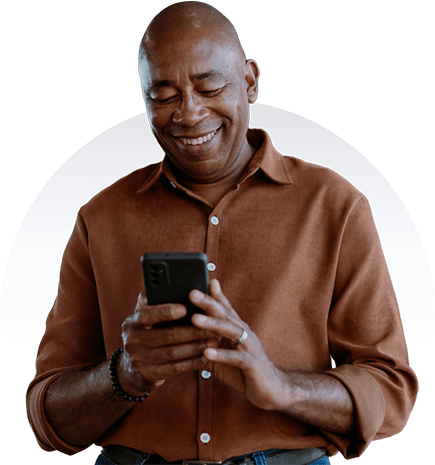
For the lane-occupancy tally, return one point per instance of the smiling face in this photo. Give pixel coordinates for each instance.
(197, 91)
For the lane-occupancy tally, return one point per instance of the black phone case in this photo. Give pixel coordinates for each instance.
(169, 277)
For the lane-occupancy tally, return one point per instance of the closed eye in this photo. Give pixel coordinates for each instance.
(211, 93)
(207, 93)
(163, 101)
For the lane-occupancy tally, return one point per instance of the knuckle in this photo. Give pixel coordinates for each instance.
(164, 312)
(172, 352)
(143, 316)
(135, 318)
(197, 333)
(203, 334)
(169, 336)
(244, 358)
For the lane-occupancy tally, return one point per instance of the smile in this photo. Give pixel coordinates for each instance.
(199, 140)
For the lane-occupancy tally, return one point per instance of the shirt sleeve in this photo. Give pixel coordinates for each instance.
(73, 337)
(366, 338)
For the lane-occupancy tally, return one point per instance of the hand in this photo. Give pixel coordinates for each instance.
(152, 355)
(244, 367)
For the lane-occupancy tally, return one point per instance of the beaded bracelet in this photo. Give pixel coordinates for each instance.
(115, 382)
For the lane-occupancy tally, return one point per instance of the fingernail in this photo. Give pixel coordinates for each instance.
(201, 318)
(211, 353)
(197, 295)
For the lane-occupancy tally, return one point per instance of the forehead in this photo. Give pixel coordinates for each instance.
(188, 57)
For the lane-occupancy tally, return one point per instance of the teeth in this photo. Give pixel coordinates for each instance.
(199, 140)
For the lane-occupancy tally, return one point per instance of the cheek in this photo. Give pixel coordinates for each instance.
(158, 118)
(157, 123)
(236, 108)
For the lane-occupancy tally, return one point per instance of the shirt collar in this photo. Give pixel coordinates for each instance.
(266, 158)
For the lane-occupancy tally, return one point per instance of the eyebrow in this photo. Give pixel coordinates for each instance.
(194, 77)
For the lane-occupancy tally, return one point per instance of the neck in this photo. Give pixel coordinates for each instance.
(213, 192)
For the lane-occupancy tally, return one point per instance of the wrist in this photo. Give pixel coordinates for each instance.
(288, 395)
(125, 391)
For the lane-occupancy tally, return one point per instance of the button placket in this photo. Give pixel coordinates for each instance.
(205, 416)
(205, 378)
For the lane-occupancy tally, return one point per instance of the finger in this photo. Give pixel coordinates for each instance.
(169, 369)
(234, 358)
(223, 327)
(176, 335)
(215, 304)
(209, 304)
(152, 314)
(216, 292)
(169, 354)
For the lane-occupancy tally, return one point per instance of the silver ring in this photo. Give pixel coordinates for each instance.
(241, 339)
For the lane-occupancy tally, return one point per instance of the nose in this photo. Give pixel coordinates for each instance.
(190, 111)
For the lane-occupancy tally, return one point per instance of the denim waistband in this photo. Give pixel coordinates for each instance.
(265, 452)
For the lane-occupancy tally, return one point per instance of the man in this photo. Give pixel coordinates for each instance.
(300, 278)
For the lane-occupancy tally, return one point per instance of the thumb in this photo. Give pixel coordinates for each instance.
(142, 301)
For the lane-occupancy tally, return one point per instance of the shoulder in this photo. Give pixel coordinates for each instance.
(119, 195)
(322, 183)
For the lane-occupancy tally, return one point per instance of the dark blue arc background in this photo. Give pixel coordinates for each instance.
(32, 269)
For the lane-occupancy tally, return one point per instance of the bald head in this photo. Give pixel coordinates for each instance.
(197, 86)
(190, 18)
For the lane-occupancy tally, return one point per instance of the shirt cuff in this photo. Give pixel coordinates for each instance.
(45, 434)
(369, 410)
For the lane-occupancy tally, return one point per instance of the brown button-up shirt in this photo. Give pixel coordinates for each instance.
(296, 251)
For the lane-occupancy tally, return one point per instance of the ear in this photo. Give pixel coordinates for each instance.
(252, 73)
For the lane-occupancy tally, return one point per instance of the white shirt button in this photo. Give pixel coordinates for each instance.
(211, 266)
(205, 438)
(214, 220)
(205, 374)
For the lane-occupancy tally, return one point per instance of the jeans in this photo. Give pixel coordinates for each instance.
(259, 460)
(323, 461)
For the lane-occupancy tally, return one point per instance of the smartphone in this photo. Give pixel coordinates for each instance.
(169, 277)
